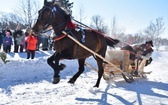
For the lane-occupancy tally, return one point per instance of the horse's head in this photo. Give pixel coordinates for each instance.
(50, 15)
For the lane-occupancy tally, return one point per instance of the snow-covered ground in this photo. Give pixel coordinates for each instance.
(28, 82)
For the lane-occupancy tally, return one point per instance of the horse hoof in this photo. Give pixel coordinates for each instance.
(71, 81)
(96, 86)
(62, 66)
(56, 80)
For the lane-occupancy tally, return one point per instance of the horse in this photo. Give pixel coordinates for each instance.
(53, 15)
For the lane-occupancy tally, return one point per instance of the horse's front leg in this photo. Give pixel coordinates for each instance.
(50, 61)
(80, 71)
(53, 61)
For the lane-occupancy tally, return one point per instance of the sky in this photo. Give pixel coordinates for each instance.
(29, 82)
(132, 16)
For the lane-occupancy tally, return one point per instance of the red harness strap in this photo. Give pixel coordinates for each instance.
(59, 37)
(70, 25)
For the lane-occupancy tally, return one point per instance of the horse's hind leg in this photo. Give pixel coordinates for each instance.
(55, 65)
(100, 72)
(80, 71)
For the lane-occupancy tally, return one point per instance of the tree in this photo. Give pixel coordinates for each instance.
(115, 30)
(154, 30)
(27, 11)
(97, 22)
(66, 4)
(81, 13)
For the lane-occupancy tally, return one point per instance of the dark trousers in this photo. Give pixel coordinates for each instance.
(7, 48)
(25, 46)
(30, 53)
(0, 46)
(16, 48)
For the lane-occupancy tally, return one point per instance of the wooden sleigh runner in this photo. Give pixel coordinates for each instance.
(116, 62)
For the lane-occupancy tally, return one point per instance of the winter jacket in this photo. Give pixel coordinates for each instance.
(20, 40)
(31, 42)
(17, 32)
(1, 38)
(18, 37)
(7, 41)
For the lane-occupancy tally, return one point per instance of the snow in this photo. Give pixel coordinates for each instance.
(29, 82)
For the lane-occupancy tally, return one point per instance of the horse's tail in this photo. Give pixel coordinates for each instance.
(111, 42)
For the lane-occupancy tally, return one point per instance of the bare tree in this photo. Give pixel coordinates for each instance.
(115, 30)
(159, 26)
(154, 30)
(81, 13)
(97, 22)
(27, 11)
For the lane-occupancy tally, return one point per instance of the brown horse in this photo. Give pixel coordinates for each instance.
(53, 15)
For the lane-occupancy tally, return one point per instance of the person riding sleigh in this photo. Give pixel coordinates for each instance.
(145, 58)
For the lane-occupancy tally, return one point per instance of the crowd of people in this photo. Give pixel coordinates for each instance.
(21, 41)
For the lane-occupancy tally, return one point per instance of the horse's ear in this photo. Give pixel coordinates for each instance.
(45, 1)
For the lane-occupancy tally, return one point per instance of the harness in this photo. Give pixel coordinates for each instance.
(69, 26)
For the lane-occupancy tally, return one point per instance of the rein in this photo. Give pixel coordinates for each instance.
(98, 32)
(51, 15)
(104, 35)
(50, 20)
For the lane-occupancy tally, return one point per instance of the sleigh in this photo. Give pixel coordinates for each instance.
(121, 60)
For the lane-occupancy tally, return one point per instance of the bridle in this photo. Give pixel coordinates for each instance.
(51, 15)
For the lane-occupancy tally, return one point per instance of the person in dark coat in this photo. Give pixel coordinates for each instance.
(18, 36)
(1, 38)
(140, 62)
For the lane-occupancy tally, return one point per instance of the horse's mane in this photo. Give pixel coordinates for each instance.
(62, 10)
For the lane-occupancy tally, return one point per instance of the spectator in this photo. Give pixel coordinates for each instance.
(1, 38)
(31, 45)
(18, 36)
(7, 42)
(28, 29)
(7, 29)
